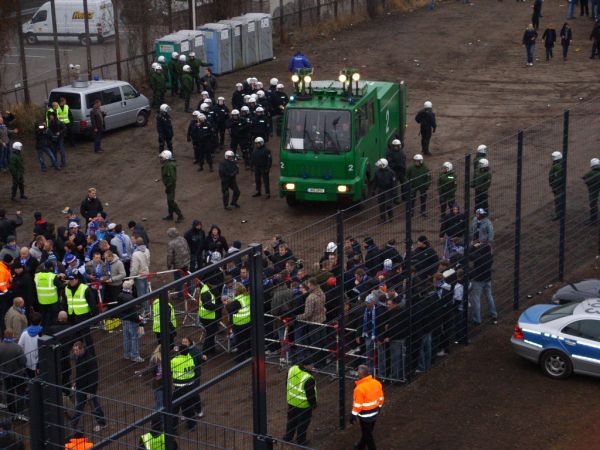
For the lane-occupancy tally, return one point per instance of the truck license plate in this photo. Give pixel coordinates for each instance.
(316, 190)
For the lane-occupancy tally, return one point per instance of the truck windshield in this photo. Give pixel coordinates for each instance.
(319, 130)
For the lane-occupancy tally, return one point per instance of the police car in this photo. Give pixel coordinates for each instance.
(562, 339)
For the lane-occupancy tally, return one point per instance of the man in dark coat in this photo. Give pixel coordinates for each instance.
(228, 171)
(262, 162)
(385, 181)
(195, 238)
(8, 227)
(549, 38)
(426, 119)
(91, 206)
(396, 159)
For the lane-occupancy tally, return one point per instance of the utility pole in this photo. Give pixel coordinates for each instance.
(22, 54)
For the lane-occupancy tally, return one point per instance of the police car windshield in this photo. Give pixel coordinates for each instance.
(318, 130)
(558, 312)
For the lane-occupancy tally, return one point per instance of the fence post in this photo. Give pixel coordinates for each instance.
(117, 40)
(49, 363)
(170, 16)
(281, 33)
(259, 379)
(299, 15)
(341, 321)
(518, 203)
(165, 354)
(88, 48)
(335, 8)
(55, 42)
(467, 212)
(37, 428)
(318, 10)
(563, 203)
(409, 282)
(22, 54)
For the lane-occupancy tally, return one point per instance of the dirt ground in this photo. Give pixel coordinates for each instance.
(466, 59)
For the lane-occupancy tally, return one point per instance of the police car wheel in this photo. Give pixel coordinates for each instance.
(556, 364)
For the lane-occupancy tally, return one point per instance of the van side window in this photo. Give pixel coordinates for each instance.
(128, 92)
(112, 95)
(91, 98)
(41, 16)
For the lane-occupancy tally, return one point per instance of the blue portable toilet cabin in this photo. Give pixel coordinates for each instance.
(237, 38)
(250, 40)
(218, 46)
(264, 23)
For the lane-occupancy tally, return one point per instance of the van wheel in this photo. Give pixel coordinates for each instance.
(31, 38)
(141, 119)
(83, 40)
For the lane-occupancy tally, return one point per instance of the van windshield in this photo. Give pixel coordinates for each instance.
(319, 130)
(73, 100)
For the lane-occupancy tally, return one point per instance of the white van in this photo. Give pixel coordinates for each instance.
(70, 20)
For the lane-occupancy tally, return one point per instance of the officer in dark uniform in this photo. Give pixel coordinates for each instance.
(237, 98)
(396, 159)
(203, 137)
(239, 130)
(262, 162)
(190, 129)
(385, 181)
(228, 171)
(592, 181)
(164, 127)
(426, 119)
(279, 100)
(482, 180)
(261, 125)
(221, 115)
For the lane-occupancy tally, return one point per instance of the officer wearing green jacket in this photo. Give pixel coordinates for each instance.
(156, 439)
(156, 329)
(17, 171)
(174, 73)
(239, 309)
(447, 187)
(181, 61)
(555, 179)
(187, 87)
(183, 372)
(419, 177)
(482, 180)
(195, 66)
(210, 314)
(47, 286)
(301, 399)
(169, 178)
(592, 181)
(158, 85)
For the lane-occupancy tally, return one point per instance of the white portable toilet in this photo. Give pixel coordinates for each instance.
(237, 37)
(249, 40)
(264, 23)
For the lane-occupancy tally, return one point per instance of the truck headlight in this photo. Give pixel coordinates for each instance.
(342, 189)
(290, 187)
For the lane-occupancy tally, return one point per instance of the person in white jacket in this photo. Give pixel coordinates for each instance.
(140, 266)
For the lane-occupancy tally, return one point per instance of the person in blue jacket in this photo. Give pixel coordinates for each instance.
(299, 61)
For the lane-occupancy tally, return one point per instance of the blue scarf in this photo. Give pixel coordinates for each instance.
(366, 322)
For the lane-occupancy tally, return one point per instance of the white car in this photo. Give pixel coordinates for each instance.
(562, 339)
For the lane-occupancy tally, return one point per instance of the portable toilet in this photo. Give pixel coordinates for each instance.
(237, 38)
(171, 43)
(196, 39)
(249, 41)
(264, 23)
(217, 42)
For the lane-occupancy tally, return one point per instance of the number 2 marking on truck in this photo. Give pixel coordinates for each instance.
(350, 167)
(282, 165)
(387, 121)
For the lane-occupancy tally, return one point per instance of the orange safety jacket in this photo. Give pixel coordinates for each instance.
(79, 444)
(368, 398)
(5, 278)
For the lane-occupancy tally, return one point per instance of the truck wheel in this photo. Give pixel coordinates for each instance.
(141, 119)
(291, 200)
(83, 40)
(31, 38)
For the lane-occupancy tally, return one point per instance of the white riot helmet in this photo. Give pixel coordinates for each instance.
(447, 165)
(259, 85)
(239, 86)
(260, 94)
(427, 104)
(192, 55)
(221, 100)
(165, 155)
(204, 94)
(174, 55)
(594, 162)
(556, 156)
(331, 247)
(182, 58)
(418, 157)
(201, 116)
(280, 86)
(245, 109)
(164, 108)
(259, 140)
(186, 68)
(482, 149)
(274, 82)
(229, 154)
(196, 113)
(396, 143)
(203, 107)
(158, 67)
(155, 65)
(17, 146)
(235, 112)
(260, 109)
(208, 101)
(253, 80)
(246, 98)
(382, 163)
(484, 163)
(161, 59)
